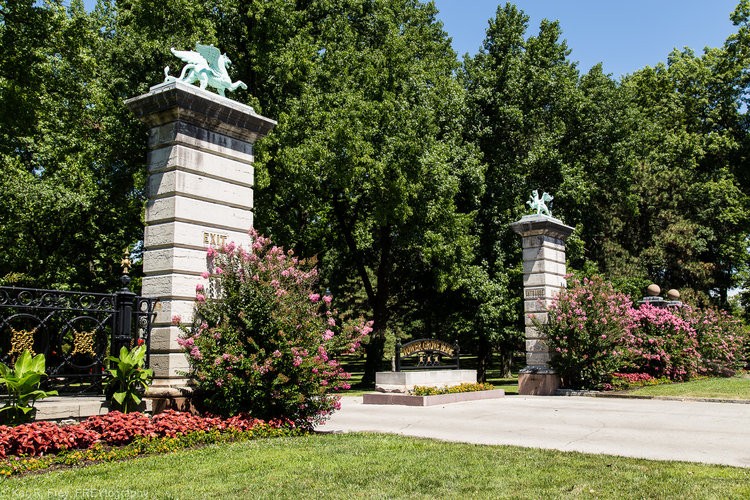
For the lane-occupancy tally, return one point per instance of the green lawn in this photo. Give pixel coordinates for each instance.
(509, 385)
(381, 466)
(719, 388)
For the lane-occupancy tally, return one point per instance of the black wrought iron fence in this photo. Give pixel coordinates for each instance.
(76, 331)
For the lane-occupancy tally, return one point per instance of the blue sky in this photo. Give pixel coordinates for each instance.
(623, 35)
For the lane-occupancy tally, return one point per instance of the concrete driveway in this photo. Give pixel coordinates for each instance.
(692, 431)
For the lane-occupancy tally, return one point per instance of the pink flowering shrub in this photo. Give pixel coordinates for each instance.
(263, 341)
(662, 344)
(600, 341)
(586, 324)
(721, 340)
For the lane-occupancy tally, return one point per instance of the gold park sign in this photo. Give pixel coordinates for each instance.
(428, 354)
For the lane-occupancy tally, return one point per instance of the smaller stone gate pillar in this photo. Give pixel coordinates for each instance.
(543, 277)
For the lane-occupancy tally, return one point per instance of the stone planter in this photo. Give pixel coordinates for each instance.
(439, 399)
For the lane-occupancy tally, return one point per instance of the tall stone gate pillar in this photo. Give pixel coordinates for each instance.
(543, 277)
(200, 194)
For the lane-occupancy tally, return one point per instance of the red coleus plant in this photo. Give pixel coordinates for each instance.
(43, 438)
(116, 429)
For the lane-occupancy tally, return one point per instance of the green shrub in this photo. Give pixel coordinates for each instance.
(128, 379)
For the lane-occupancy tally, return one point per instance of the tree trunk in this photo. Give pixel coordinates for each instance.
(380, 312)
(484, 359)
(374, 357)
(506, 363)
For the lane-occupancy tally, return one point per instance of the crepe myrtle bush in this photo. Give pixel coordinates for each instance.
(600, 341)
(587, 321)
(263, 340)
(721, 340)
(662, 344)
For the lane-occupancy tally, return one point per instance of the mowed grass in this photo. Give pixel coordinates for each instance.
(715, 388)
(381, 466)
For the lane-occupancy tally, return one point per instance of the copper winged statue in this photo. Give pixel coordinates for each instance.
(207, 66)
(539, 203)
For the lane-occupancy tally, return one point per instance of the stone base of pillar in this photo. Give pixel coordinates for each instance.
(538, 382)
(159, 405)
(169, 398)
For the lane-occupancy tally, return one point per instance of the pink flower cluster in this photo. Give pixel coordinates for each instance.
(633, 377)
(662, 344)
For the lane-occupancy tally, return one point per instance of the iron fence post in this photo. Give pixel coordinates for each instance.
(122, 332)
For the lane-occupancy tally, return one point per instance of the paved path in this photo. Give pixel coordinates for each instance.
(654, 429)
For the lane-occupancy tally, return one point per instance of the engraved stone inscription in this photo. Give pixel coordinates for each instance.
(214, 239)
(534, 293)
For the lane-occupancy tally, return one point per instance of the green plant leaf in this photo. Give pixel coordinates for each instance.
(23, 363)
(119, 397)
(38, 363)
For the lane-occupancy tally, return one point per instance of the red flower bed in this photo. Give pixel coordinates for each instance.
(39, 438)
(117, 429)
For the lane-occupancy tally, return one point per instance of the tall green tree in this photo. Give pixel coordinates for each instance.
(73, 157)
(650, 170)
(520, 90)
(55, 231)
(367, 169)
(689, 225)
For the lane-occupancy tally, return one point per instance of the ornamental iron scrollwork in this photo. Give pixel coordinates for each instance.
(21, 340)
(84, 343)
(76, 331)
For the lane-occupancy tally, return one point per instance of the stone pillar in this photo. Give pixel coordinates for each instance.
(200, 194)
(543, 277)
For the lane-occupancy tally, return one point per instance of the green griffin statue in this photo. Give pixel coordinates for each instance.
(207, 65)
(539, 203)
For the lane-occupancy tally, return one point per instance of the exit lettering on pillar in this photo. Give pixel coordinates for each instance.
(214, 239)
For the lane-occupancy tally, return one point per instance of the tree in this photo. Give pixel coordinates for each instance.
(367, 169)
(520, 90)
(690, 226)
(55, 231)
(73, 155)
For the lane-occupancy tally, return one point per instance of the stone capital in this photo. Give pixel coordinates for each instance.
(179, 101)
(541, 225)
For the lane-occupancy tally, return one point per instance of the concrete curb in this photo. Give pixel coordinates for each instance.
(596, 394)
